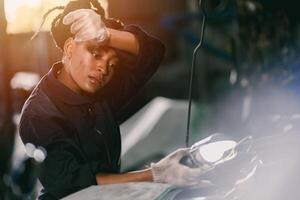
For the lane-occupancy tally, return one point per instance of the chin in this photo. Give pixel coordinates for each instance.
(90, 90)
(93, 88)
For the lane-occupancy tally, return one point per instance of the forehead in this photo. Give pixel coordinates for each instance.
(92, 46)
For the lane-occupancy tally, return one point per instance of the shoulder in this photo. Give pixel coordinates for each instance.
(40, 119)
(39, 105)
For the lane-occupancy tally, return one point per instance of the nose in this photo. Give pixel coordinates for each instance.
(103, 67)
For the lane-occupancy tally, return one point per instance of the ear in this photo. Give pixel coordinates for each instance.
(68, 47)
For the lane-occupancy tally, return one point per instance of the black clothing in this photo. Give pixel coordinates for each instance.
(80, 132)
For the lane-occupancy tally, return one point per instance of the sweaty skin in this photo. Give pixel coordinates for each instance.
(88, 67)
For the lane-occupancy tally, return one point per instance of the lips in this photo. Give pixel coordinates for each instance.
(95, 80)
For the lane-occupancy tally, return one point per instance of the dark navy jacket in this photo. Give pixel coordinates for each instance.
(80, 132)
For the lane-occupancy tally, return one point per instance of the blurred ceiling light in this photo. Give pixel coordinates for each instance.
(24, 80)
(233, 77)
(244, 82)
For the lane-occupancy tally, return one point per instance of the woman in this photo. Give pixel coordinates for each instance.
(73, 111)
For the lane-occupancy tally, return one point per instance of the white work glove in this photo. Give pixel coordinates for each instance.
(86, 25)
(170, 170)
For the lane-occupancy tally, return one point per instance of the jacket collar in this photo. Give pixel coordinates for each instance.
(60, 92)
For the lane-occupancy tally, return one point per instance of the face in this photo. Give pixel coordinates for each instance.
(89, 66)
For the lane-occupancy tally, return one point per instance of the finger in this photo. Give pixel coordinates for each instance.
(74, 15)
(87, 35)
(77, 26)
(102, 35)
(83, 36)
(178, 154)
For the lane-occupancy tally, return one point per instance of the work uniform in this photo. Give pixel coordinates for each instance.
(80, 133)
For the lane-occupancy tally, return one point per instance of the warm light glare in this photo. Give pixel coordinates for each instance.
(11, 7)
(26, 15)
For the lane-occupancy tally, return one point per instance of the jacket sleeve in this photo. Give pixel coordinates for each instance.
(133, 71)
(63, 170)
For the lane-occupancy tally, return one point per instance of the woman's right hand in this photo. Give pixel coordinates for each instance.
(87, 25)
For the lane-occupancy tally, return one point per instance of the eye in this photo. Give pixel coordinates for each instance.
(112, 65)
(96, 54)
(114, 62)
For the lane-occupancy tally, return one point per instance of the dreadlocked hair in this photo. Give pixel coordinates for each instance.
(44, 19)
(60, 32)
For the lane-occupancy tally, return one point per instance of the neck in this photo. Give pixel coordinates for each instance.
(65, 78)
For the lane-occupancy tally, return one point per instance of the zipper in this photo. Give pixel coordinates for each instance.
(105, 142)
